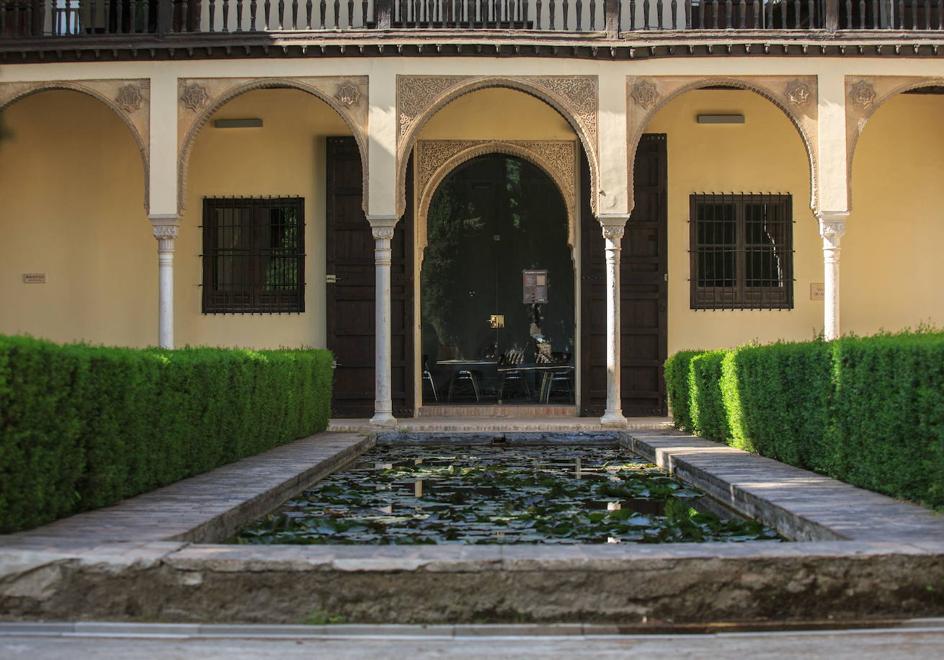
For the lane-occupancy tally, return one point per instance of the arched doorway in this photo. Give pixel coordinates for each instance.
(497, 288)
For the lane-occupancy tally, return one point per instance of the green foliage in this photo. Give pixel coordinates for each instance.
(679, 387)
(869, 411)
(705, 404)
(85, 426)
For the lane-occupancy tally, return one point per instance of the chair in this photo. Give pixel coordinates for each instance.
(558, 377)
(511, 376)
(465, 376)
(428, 378)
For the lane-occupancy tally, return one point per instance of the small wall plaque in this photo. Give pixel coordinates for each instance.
(34, 278)
(817, 292)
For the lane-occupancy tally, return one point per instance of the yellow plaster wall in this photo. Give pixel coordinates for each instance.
(286, 157)
(763, 155)
(891, 268)
(72, 207)
(497, 114)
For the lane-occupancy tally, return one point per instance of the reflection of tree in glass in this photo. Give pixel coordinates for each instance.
(447, 223)
(281, 273)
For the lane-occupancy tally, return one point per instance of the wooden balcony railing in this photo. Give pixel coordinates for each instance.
(31, 19)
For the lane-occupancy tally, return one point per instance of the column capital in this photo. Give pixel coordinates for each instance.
(832, 226)
(164, 227)
(613, 226)
(384, 220)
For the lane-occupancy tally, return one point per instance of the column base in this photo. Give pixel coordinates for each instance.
(612, 419)
(384, 420)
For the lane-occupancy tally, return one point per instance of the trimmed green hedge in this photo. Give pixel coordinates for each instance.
(868, 411)
(84, 426)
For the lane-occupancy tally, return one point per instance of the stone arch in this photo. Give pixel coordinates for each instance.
(557, 159)
(420, 98)
(132, 108)
(200, 99)
(795, 96)
(864, 96)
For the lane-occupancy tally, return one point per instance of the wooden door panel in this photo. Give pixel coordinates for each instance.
(643, 293)
(350, 300)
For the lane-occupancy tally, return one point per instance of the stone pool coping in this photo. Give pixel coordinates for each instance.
(144, 558)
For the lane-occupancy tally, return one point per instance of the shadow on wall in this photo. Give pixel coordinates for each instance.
(4, 131)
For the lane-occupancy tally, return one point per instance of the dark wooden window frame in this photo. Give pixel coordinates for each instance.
(249, 295)
(737, 294)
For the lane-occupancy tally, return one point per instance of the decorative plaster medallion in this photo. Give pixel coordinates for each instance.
(862, 93)
(194, 96)
(129, 98)
(798, 92)
(348, 94)
(645, 94)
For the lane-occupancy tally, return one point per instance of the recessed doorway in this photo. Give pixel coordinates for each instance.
(497, 289)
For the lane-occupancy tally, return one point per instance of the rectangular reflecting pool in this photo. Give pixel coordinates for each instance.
(476, 494)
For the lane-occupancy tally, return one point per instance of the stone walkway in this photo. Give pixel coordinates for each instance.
(799, 503)
(503, 424)
(208, 506)
(104, 642)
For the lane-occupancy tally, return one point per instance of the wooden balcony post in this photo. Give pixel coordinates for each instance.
(165, 16)
(832, 15)
(383, 14)
(612, 18)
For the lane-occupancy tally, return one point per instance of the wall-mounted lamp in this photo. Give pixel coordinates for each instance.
(252, 122)
(720, 119)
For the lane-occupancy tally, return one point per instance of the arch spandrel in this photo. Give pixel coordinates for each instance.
(129, 99)
(795, 96)
(435, 160)
(419, 98)
(864, 96)
(198, 99)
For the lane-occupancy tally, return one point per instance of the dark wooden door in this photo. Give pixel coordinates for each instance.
(643, 293)
(350, 292)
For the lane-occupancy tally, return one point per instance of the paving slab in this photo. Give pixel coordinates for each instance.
(208, 506)
(800, 504)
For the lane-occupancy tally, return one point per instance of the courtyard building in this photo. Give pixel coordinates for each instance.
(488, 207)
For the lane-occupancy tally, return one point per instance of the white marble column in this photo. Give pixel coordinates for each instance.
(831, 227)
(382, 228)
(613, 228)
(165, 231)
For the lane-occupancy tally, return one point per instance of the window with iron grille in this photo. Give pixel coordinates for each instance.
(253, 255)
(741, 252)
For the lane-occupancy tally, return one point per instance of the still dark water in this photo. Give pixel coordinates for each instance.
(495, 494)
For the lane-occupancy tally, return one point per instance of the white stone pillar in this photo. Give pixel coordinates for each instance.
(831, 227)
(613, 228)
(382, 228)
(165, 231)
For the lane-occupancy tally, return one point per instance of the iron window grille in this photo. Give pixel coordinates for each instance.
(741, 251)
(253, 255)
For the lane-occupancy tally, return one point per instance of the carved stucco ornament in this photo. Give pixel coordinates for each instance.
(798, 92)
(862, 93)
(208, 95)
(436, 159)
(348, 94)
(109, 93)
(420, 97)
(129, 98)
(194, 97)
(644, 93)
